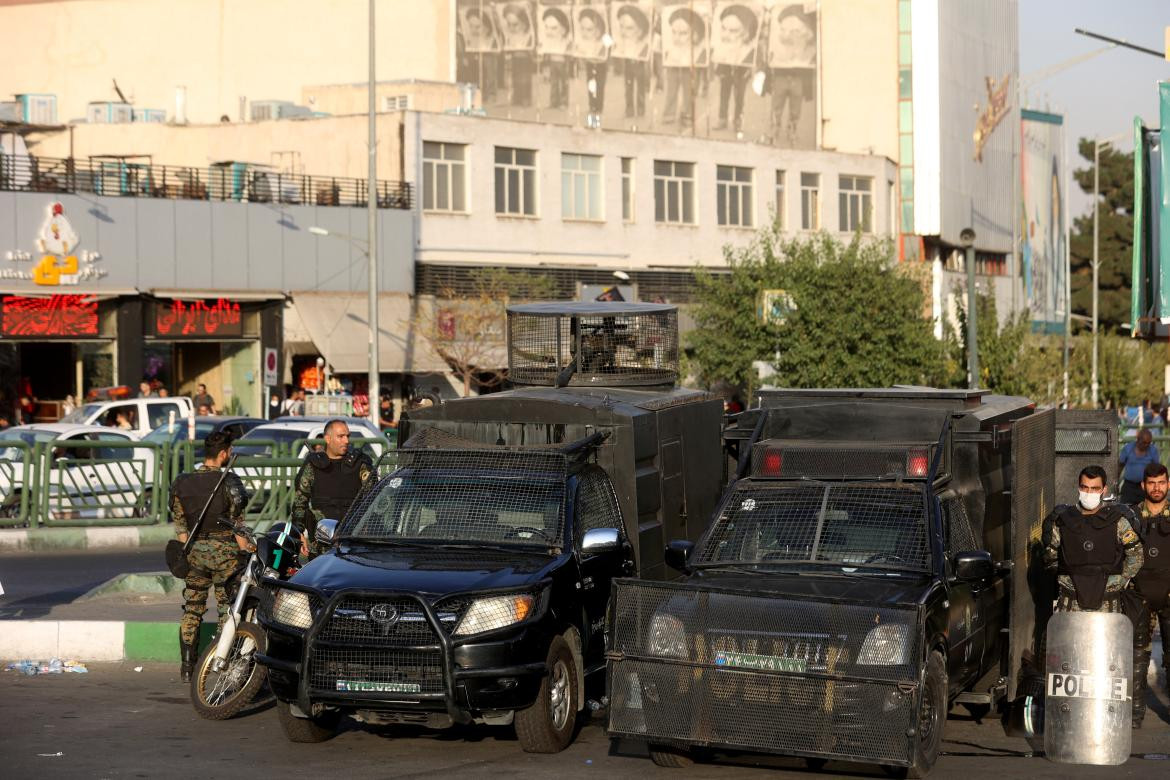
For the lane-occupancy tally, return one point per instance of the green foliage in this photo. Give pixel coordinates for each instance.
(855, 322)
(1115, 238)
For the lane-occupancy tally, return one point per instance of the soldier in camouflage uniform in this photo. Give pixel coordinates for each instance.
(329, 482)
(220, 537)
(1149, 592)
(1092, 547)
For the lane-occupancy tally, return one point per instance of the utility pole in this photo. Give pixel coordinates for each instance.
(967, 240)
(372, 204)
(1095, 385)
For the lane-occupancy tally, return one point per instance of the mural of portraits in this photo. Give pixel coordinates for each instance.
(730, 69)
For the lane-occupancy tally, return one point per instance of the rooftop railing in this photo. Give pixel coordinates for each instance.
(239, 182)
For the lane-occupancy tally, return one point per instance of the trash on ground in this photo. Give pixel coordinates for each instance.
(138, 668)
(31, 668)
(51, 755)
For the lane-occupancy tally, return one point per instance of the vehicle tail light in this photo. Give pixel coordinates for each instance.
(773, 461)
(917, 463)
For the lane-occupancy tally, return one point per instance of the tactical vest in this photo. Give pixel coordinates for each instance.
(1090, 552)
(192, 490)
(335, 484)
(1153, 580)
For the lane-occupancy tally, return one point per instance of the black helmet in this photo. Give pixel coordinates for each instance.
(280, 546)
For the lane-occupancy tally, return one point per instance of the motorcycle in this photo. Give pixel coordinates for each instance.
(227, 677)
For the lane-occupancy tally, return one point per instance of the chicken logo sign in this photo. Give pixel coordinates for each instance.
(57, 240)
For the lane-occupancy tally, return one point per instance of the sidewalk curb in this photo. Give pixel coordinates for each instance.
(93, 640)
(80, 538)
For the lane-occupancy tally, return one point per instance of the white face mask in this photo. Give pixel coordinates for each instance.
(1089, 501)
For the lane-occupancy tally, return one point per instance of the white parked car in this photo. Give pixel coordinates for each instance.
(88, 478)
(135, 416)
(286, 430)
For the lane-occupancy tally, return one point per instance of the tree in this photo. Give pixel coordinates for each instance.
(1115, 238)
(852, 319)
(466, 328)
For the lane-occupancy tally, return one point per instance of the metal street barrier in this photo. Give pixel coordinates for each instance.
(100, 483)
(17, 473)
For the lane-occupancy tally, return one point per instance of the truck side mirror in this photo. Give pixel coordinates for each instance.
(600, 540)
(326, 530)
(973, 565)
(677, 553)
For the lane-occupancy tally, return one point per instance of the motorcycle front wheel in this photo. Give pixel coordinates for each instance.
(220, 695)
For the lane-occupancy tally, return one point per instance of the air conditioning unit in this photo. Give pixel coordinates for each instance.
(9, 111)
(109, 113)
(38, 109)
(150, 115)
(263, 110)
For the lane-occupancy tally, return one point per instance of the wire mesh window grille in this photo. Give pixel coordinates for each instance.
(593, 344)
(674, 192)
(515, 182)
(855, 203)
(960, 535)
(848, 524)
(597, 504)
(733, 196)
(444, 177)
(1078, 440)
(466, 496)
(671, 286)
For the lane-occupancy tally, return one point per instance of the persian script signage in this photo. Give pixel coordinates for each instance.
(66, 316)
(198, 319)
(57, 262)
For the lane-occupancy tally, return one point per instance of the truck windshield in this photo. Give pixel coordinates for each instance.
(452, 509)
(844, 524)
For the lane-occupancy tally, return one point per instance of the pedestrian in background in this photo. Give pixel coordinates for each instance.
(274, 406)
(202, 398)
(213, 556)
(1135, 456)
(145, 391)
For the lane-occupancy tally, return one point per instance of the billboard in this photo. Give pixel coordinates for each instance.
(726, 69)
(1042, 246)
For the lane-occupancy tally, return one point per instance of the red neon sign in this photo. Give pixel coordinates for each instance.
(57, 315)
(198, 318)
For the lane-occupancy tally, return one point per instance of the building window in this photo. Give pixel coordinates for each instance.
(733, 195)
(581, 186)
(515, 181)
(674, 192)
(444, 177)
(855, 204)
(780, 208)
(396, 102)
(810, 201)
(627, 189)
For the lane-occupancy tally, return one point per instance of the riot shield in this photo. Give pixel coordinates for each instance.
(1032, 496)
(1089, 690)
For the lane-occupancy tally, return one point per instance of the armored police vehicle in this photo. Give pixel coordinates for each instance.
(472, 584)
(868, 569)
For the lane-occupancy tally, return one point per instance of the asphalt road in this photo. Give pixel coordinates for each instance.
(36, 582)
(115, 722)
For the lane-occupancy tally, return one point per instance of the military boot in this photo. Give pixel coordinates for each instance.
(1141, 672)
(187, 654)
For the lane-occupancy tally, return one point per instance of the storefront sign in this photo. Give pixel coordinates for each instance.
(57, 315)
(270, 367)
(198, 319)
(57, 263)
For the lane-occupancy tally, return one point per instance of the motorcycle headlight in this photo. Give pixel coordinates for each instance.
(488, 614)
(291, 607)
(667, 637)
(886, 645)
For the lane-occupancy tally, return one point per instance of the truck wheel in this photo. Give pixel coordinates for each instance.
(547, 726)
(316, 729)
(932, 717)
(670, 757)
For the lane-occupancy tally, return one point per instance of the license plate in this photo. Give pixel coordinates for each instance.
(360, 686)
(766, 663)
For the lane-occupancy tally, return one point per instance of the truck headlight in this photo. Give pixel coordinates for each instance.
(494, 612)
(885, 646)
(291, 607)
(667, 637)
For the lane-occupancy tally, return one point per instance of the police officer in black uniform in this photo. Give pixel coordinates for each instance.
(1148, 597)
(1092, 547)
(329, 482)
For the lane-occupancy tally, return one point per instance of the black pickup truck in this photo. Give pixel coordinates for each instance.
(868, 568)
(470, 587)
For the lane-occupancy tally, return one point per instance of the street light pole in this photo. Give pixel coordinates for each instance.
(1095, 386)
(375, 395)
